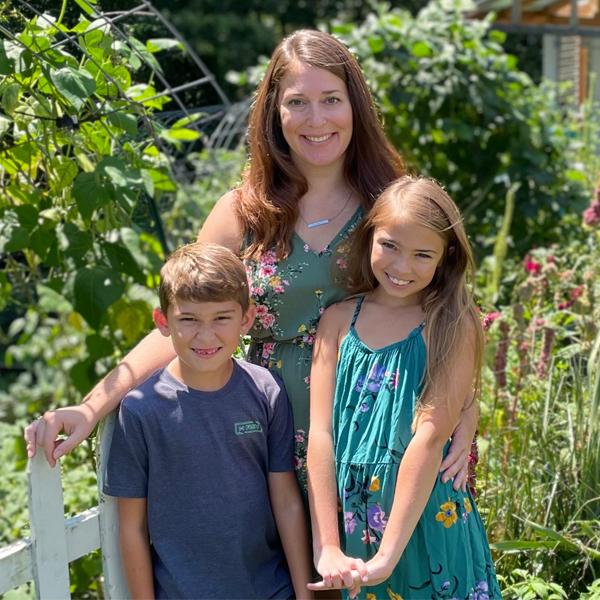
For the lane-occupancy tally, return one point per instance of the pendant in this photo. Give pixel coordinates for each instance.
(317, 223)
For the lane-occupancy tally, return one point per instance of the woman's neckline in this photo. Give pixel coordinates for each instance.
(335, 237)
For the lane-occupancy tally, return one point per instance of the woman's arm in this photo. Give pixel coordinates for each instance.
(330, 562)
(135, 548)
(151, 354)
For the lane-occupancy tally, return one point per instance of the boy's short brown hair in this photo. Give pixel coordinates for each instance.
(202, 272)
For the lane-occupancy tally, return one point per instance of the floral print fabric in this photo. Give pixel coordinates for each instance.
(290, 296)
(447, 557)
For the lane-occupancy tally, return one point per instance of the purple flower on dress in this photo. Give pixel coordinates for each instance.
(360, 383)
(445, 586)
(377, 519)
(480, 593)
(364, 407)
(350, 522)
(376, 378)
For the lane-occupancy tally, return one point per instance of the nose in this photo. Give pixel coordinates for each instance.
(204, 333)
(315, 117)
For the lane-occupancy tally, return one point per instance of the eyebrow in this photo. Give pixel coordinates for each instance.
(414, 250)
(219, 312)
(323, 93)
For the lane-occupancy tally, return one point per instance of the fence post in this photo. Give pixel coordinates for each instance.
(115, 585)
(48, 534)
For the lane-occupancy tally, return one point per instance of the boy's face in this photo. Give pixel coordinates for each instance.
(204, 335)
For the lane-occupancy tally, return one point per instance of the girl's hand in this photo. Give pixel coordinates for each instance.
(456, 462)
(338, 570)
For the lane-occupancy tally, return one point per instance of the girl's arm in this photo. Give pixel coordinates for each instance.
(151, 354)
(330, 562)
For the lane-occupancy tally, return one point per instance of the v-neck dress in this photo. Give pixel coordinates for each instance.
(290, 296)
(448, 555)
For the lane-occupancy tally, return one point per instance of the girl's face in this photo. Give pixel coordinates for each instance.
(316, 116)
(404, 257)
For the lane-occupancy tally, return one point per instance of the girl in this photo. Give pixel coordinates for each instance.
(391, 370)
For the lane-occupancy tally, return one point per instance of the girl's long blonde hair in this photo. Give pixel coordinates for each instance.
(450, 309)
(267, 202)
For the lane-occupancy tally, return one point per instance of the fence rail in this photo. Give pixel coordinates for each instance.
(44, 557)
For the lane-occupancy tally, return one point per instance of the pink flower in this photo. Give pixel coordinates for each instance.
(307, 382)
(306, 248)
(297, 463)
(267, 321)
(261, 310)
(301, 431)
(591, 216)
(257, 291)
(341, 263)
(269, 258)
(367, 538)
(308, 339)
(532, 267)
(299, 438)
(268, 348)
(285, 282)
(267, 270)
(279, 289)
(321, 310)
(489, 319)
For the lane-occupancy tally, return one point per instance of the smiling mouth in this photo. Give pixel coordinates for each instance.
(318, 139)
(400, 282)
(205, 352)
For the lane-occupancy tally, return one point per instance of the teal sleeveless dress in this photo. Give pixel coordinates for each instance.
(448, 556)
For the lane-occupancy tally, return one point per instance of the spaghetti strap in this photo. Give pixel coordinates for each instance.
(356, 311)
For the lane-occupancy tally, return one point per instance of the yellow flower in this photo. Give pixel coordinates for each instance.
(393, 595)
(279, 364)
(270, 364)
(448, 514)
(468, 507)
(275, 281)
(375, 485)
(301, 328)
(318, 292)
(371, 597)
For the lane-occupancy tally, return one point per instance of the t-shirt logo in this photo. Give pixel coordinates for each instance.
(248, 427)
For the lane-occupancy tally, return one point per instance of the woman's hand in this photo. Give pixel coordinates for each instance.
(338, 570)
(456, 463)
(77, 422)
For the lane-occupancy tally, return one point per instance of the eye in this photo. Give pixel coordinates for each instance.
(332, 100)
(223, 318)
(423, 255)
(187, 319)
(295, 102)
(388, 245)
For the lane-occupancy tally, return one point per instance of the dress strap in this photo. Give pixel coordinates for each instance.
(357, 310)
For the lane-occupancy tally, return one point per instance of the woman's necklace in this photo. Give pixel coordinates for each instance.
(325, 221)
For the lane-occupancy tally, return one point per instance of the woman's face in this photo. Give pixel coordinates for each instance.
(316, 117)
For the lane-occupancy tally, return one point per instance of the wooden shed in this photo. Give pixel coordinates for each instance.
(570, 30)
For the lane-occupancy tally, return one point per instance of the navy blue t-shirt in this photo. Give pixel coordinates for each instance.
(202, 460)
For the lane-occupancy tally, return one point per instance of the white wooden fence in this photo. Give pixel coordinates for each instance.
(55, 541)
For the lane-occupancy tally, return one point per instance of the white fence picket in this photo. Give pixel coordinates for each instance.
(48, 534)
(115, 585)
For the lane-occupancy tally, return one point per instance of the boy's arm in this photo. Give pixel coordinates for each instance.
(288, 511)
(135, 548)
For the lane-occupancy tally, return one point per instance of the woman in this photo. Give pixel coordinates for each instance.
(319, 158)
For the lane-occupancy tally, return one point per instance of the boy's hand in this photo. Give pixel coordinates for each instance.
(338, 570)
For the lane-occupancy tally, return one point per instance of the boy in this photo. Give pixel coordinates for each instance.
(202, 455)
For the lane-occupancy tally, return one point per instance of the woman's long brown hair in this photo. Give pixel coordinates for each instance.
(450, 309)
(267, 202)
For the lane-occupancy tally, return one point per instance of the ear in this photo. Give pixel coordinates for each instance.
(451, 250)
(248, 320)
(160, 320)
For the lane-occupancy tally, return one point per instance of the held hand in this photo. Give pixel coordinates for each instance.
(76, 421)
(378, 570)
(456, 462)
(338, 570)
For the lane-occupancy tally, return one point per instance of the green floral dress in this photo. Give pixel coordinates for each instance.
(290, 296)
(448, 556)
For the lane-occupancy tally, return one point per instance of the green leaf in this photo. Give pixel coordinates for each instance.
(5, 288)
(576, 175)
(124, 121)
(87, 9)
(62, 174)
(43, 242)
(50, 301)
(158, 44)
(142, 51)
(73, 242)
(376, 44)
(95, 289)
(186, 135)
(13, 237)
(187, 120)
(134, 319)
(90, 193)
(98, 346)
(10, 98)
(7, 63)
(5, 125)
(74, 85)
(520, 545)
(83, 375)
(121, 260)
(421, 49)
